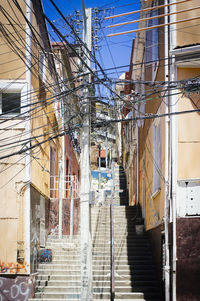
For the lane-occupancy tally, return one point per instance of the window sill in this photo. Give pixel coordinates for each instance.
(13, 116)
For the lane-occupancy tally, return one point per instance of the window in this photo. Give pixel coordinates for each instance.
(151, 56)
(10, 103)
(13, 97)
(156, 156)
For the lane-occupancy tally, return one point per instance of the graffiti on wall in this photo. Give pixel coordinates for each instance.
(46, 255)
(19, 289)
(13, 268)
(66, 216)
(53, 217)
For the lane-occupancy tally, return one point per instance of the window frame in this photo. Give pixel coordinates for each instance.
(153, 44)
(156, 156)
(16, 87)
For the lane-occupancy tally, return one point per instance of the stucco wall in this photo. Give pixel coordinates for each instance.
(12, 63)
(154, 203)
(186, 32)
(188, 131)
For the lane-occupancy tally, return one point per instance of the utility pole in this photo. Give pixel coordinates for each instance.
(85, 240)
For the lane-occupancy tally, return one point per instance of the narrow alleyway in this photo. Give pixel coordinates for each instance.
(134, 271)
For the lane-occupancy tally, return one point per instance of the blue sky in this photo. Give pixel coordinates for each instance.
(113, 51)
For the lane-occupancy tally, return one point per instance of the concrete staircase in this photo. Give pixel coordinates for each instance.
(135, 277)
(60, 279)
(121, 193)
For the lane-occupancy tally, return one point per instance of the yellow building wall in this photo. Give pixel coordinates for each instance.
(12, 179)
(12, 193)
(43, 122)
(12, 176)
(10, 62)
(154, 203)
(187, 32)
(188, 130)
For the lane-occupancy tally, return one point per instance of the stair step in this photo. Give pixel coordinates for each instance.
(127, 289)
(61, 289)
(47, 299)
(118, 283)
(132, 277)
(50, 296)
(59, 272)
(123, 296)
(126, 272)
(59, 277)
(59, 283)
(60, 267)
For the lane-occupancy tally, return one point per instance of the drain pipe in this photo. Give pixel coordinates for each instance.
(166, 208)
(173, 177)
(27, 127)
(173, 146)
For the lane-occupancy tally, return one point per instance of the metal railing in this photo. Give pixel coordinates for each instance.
(64, 188)
(69, 184)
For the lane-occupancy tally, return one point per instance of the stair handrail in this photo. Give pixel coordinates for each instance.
(112, 295)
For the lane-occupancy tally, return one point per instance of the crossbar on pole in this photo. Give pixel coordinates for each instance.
(154, 17)
(145, 9)
(152, 27)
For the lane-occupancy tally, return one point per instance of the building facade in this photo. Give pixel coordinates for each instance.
(30, 126)
(168, 137)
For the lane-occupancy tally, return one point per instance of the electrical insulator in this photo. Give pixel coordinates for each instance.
(96, 47)
(78, 13)
(96, 10)
(96, 29)
(96, 38)
(78, 22)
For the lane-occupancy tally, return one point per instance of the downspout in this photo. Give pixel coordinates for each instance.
(167, 179)
(173, 147)
(28, 127)
(174, 176)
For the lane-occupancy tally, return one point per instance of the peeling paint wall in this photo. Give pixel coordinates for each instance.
(53, 217)
(39, 226)
(188, 259)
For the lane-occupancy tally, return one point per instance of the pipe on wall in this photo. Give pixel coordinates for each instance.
(27, 159)
(167, 180)
(173, 147)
